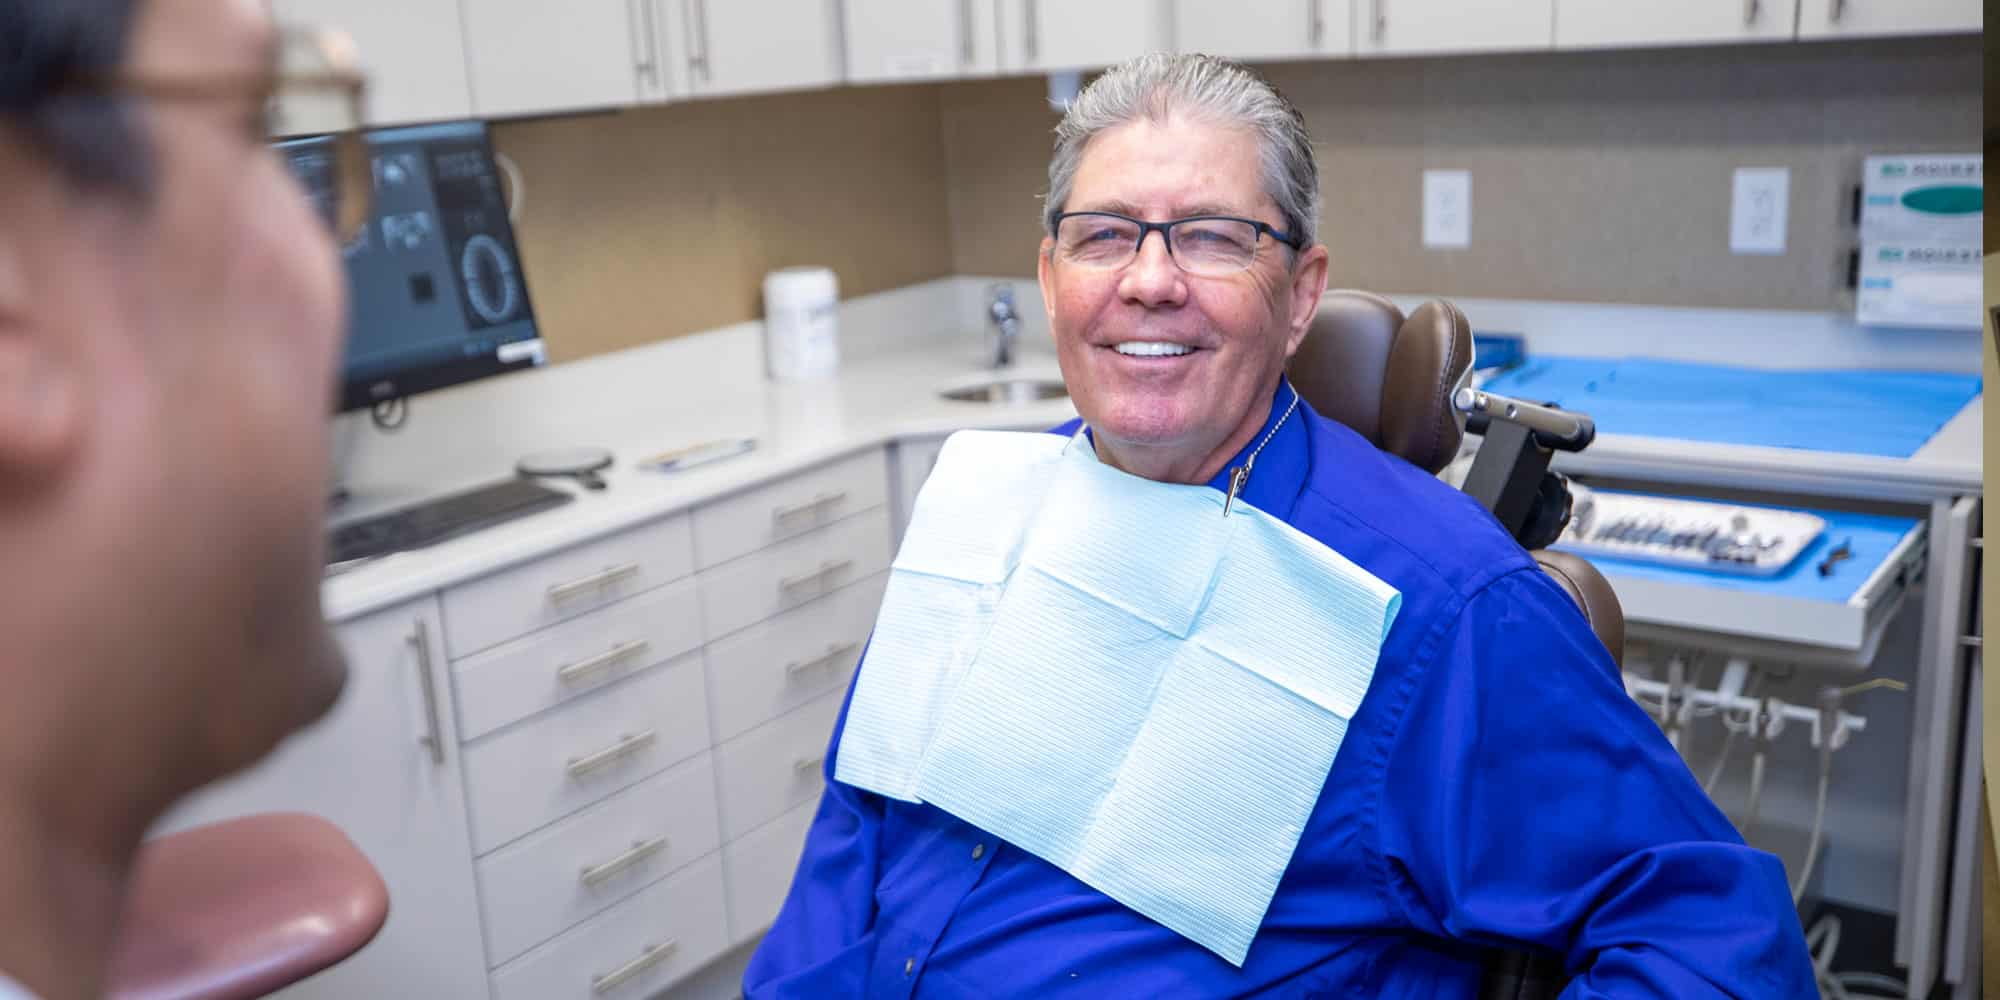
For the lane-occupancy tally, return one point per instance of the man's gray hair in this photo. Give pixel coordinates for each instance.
(1156, 87)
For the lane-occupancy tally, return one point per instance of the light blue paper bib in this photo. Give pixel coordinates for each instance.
(1109, 673)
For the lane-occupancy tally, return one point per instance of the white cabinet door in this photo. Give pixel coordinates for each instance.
(367, 769)
(1838, 18)
(751, 46)
(1291, 29)
(1042, 35)
(1586, 24)
(1408, 27)
(896, 40)
(910, 463)
(413, 53)
(536, 57)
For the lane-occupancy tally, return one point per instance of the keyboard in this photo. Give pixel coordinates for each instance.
(446, 517)
(1691, 534)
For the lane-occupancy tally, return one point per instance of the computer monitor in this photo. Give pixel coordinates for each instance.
(436, 292)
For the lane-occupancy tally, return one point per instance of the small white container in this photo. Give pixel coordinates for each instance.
(801, 323)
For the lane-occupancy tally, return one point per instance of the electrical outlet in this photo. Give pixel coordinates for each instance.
(1757, 209)
(1448, 209)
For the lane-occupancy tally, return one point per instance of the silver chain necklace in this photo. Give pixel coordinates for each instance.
(1239, 477)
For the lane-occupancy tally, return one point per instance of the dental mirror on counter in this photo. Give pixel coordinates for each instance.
(580, 464)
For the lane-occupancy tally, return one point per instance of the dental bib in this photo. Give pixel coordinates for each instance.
(1113, 674)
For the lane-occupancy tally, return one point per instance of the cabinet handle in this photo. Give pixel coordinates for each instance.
(1381, 12)
(832, 651)
(647, 66)
(965, 31)
(653, 955)
(803, 764)
(695, 23)
(1031, 41)
(593, 583)
(783, 514)
(593, 875)
(1839, 7)
(826, 569)
(421, 639)
(1315, 27)
(581, 669)
(1751, 8)
(580, 767)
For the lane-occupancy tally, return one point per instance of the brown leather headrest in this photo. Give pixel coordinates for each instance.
(1387, 376)
(1591, 592)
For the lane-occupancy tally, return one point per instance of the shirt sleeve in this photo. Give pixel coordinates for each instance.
(822, 943)
(1528, 799)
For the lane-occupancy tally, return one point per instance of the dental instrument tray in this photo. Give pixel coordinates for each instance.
(1690, 534)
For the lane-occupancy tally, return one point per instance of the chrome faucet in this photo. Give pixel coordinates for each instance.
(1006, 324)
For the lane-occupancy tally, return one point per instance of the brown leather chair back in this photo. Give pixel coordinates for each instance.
(1390, 378)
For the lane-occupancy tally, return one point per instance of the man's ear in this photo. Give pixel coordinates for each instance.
(1308, 285)
(41, 406)
(1042, 278)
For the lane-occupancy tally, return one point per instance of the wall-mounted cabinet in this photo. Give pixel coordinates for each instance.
(1593, 24)
(1862, 18)
(1291, 29)
(891, 41)
(1441, 27)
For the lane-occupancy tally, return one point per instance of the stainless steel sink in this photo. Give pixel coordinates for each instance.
(1008, 390)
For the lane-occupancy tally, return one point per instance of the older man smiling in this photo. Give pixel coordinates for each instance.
(1029, 802)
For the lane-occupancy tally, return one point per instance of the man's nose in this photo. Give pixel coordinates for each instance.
(1153, 279)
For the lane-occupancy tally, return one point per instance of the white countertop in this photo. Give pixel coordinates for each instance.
(902, 347)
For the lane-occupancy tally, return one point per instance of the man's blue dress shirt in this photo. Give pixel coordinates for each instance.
(1496, 787)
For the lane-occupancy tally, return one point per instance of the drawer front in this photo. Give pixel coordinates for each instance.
(774, 767)
(741, 524)
(680, 917)
(789, 574)
(519, 600)
(520, 678)
(553, 879)
(524, 777)
(775, 666)
(760, 869)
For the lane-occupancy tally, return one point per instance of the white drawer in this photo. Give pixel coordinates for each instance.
(518, 600)
(740, 524)
(517, 679)
(680, 915)
(521, 778)
(760, 869)
(775, 666)
(775, 766)
(545, 883)
(786, 575)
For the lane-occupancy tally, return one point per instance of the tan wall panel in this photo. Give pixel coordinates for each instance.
(657, 222)
(1600, 176)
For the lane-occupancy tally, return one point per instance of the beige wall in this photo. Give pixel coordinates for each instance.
(1597, 176)
(657, 222)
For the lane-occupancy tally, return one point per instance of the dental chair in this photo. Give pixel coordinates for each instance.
(1392, 378)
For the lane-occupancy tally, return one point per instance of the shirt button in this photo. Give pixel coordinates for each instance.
(978, 851)
(909, 966)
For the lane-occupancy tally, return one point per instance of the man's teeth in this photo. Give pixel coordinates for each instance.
(1152, 349)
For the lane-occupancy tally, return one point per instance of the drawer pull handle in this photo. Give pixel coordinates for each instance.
(782, 514)
(653, 955)
(617, 654)
(594, 583)
(833, 652)
(593, 875)
(826, 569)
(803, 764)
(625, 747)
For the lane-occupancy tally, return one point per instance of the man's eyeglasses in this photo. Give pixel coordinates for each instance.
(1207, 245)
(312, 89)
